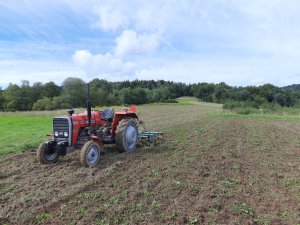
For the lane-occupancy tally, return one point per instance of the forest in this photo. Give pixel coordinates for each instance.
(72, 94)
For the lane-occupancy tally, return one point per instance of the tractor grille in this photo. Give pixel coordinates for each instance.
(61, 125)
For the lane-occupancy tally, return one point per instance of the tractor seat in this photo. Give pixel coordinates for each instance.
(108, 115)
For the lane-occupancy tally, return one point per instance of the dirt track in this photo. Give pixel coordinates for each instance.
(210, 170)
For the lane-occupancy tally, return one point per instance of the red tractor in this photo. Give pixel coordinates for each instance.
(89, 132)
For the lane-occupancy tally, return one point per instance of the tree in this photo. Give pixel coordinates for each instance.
(111, 99)
(73, 94)
(61, 102)
(18, 98)
(74, 89)
(100, 89)
(11, 97)
(221, 93)
(43, 104)
(98, 96)
(268, 92)
(37, 91)
(1, 99)
(125, 96)
(204, 91)
(241, 95)
(51, 90)
(139, 96)
(26, 96)
(160, 94)
(102, 84)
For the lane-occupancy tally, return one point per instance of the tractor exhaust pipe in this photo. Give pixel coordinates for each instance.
(89, 108)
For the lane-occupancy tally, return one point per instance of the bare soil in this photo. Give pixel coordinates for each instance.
(209, 170)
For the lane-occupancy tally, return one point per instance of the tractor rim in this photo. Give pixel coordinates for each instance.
(93, 155)
(50, 156)
(131, 136)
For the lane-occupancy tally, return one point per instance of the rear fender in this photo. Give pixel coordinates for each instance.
(119, 116)
(132, 108)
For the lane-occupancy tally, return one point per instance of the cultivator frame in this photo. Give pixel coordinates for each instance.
(150, 138)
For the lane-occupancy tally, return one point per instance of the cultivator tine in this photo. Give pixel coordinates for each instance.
(150, 138)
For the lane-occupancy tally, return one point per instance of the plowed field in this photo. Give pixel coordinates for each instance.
(211, 169)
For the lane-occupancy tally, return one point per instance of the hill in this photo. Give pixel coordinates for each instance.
(293, 87)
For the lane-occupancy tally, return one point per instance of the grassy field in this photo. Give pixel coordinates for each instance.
(213, 168)
(22, 133)
(24, 130)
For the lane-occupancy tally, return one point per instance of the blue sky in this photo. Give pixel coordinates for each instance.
(236, 41)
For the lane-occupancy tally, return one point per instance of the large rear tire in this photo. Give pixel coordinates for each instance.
(127, 135)
(46, 156)
(90, 154)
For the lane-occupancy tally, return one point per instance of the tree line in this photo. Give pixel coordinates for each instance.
(73, 92)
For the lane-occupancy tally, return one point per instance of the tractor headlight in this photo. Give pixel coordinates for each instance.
(56, 133)
(66, 134)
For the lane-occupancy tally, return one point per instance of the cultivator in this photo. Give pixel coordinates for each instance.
(150, 138)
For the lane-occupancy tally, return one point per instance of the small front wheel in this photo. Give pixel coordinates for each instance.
(46, 155)
(90, 154)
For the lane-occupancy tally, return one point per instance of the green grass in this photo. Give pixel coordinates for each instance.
(26, 130)
(23, 132)
(42, 217)
(187, 100)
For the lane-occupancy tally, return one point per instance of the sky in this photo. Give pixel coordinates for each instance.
(234, 41)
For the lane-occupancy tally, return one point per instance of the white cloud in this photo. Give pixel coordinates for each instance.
(13, 71)
(102, 64)
(110, 19)
(156, 16)
(82, 57)
(129, 42)
(118, 62)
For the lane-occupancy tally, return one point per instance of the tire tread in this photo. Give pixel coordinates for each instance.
(119, 134)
